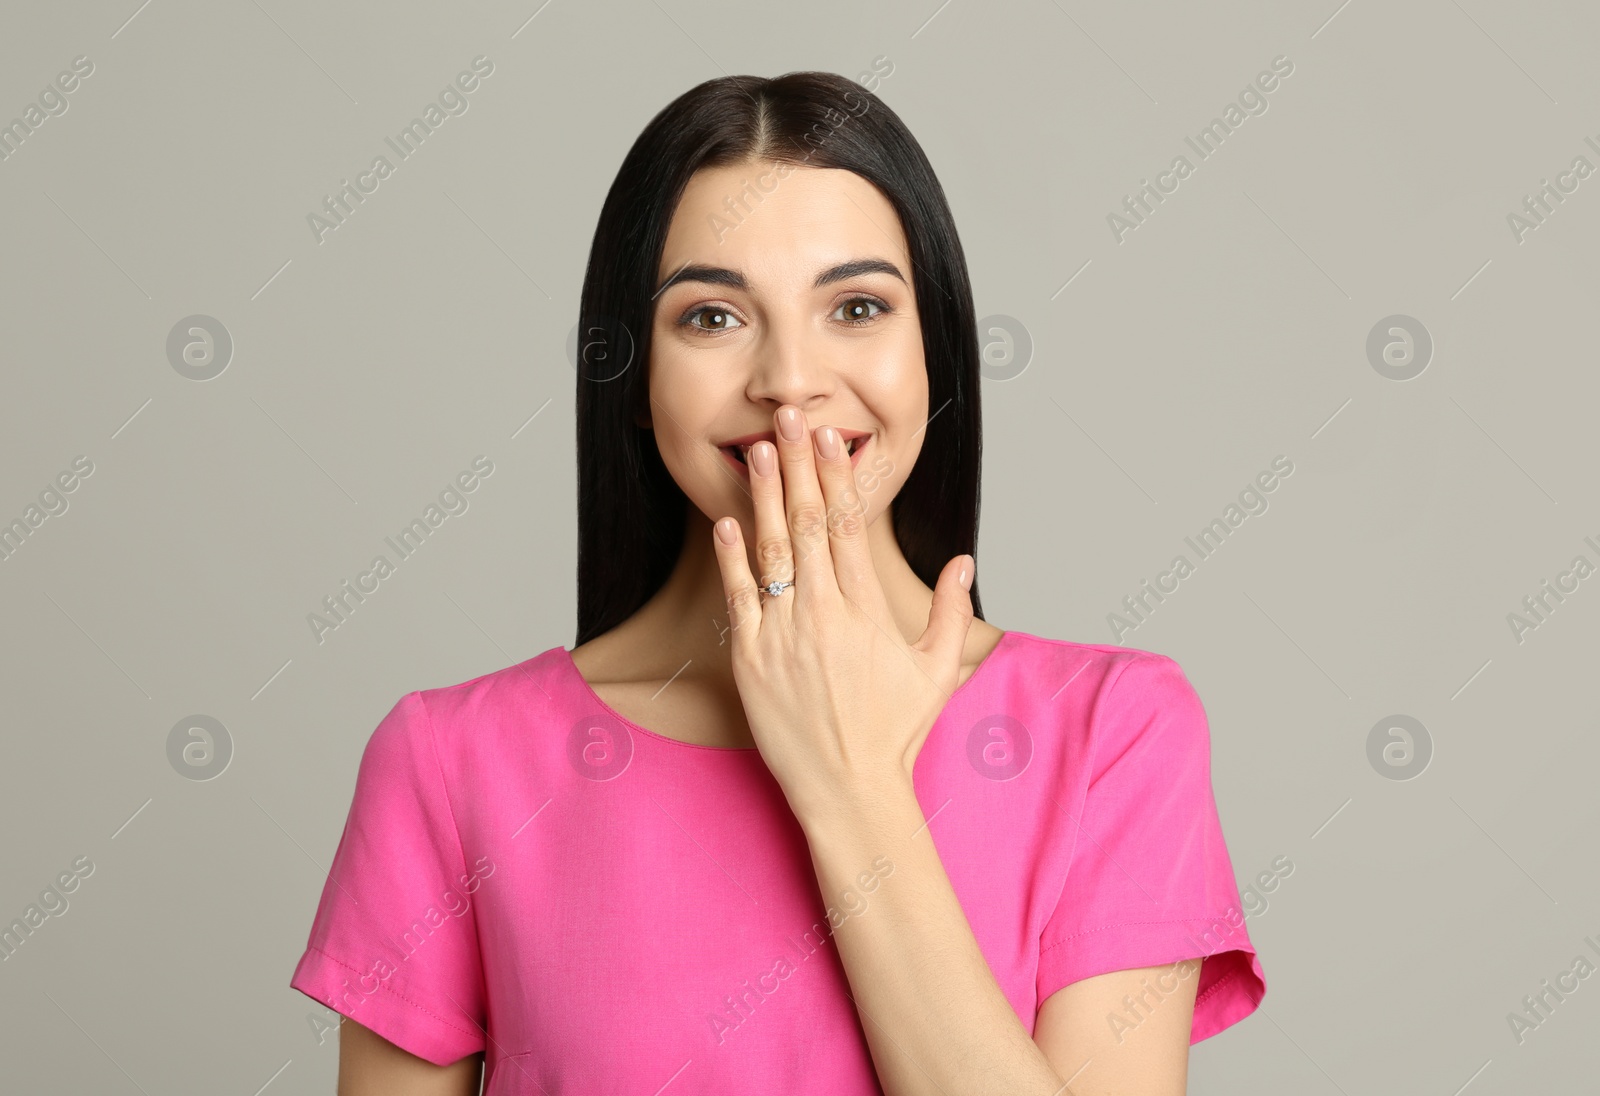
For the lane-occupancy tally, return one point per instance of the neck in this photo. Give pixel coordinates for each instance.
(688, 617)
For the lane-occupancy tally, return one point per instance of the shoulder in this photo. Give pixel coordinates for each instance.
(488, 713)
(509, 688)
(1098, 666)
(1101, 694)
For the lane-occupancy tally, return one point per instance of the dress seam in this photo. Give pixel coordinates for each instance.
(393, 992)
(1129, 924)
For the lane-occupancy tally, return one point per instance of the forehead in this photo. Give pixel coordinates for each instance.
(780, 231)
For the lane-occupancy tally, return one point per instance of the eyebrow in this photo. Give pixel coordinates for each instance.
(733, 279)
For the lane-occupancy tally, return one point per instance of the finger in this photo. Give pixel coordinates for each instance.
(846, 520)
(774, 555)
(950, 615)
(744, 600)
(803, 503)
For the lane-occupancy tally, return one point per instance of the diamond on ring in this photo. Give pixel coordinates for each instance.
(776, 588)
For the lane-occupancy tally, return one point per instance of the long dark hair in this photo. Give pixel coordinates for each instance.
(631, 513)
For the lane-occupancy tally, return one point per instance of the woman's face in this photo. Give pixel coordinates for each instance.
(793, 286)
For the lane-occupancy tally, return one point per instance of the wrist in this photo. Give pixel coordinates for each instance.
(875, 812)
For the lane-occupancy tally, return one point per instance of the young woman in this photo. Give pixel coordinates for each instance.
(790, 817)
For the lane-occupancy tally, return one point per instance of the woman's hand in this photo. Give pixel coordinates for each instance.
(838, 703)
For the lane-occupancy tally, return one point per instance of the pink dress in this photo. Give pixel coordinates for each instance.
(602, 909)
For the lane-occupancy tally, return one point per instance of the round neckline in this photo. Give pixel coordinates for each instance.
(1006, 637)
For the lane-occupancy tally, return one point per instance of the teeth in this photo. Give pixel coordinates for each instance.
(741, 453)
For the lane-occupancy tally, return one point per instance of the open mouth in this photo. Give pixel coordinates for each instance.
(740, 454)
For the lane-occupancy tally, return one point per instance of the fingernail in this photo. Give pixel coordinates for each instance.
(789, 423)
(828, 442)
(725, 531)
(964, 576)
(763, 457)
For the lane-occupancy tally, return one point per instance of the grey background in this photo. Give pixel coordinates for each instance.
(1168, 370)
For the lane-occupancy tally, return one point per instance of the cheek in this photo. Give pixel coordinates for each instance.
(897, 396)
(881, 474)
(684, 397)
(679, 401)
(892, 378)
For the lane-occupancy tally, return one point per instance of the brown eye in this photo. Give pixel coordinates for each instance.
(723, 318)
(855, 310)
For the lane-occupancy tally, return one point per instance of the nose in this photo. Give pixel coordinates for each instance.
(789, 366)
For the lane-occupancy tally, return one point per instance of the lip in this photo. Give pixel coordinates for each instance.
(748, 440)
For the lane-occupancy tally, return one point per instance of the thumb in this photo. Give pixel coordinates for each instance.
(950, 616)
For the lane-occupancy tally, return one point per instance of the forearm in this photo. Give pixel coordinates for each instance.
(935, 1019)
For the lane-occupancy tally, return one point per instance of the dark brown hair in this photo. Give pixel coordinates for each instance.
(631, 512)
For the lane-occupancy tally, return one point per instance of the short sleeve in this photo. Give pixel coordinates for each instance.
(394, 944)
(1150, 881)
